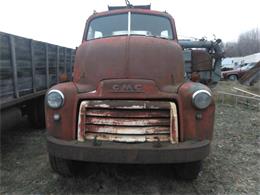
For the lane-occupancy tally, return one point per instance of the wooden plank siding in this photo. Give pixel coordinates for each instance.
(28, 66)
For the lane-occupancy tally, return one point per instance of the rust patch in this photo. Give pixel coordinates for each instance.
(127, 130)
(174, 124)
(128, 121)
(81, 122)
(164, 113)
(129, 139)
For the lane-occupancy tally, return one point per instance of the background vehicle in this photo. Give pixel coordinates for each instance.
(252, 75)
(248, 66)
(132, 99)
(237, 73)
(27, 69)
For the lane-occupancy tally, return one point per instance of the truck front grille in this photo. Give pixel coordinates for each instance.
(128, 121)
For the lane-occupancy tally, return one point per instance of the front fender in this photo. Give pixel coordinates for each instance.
(65, 128)
(196, 124)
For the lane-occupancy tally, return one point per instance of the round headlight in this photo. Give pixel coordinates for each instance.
(55, 98)
(201, 99)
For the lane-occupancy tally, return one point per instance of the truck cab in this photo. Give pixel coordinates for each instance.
(134, 98)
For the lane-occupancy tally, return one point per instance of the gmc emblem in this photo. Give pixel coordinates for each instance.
(128, 88)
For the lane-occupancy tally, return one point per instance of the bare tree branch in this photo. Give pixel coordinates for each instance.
(248, 43)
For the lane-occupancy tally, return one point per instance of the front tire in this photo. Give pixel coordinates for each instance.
(188, 171)
(232, 77)
(36, 113)
(62, 166)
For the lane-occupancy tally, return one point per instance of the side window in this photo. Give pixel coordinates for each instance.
(90, 32)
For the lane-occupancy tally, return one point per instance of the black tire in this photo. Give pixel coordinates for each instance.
(232, 77)
(62, 166)
(188, 171)
(36, 113)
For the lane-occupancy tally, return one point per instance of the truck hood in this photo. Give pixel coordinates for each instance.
(129, 57)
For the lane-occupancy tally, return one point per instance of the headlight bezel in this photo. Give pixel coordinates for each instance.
(60, 94)
(196, 93)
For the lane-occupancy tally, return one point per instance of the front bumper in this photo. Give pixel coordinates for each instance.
(139, 153)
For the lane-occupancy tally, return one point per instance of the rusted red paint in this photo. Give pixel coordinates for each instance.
(63, 129)
(124, 58)
(143, 69)
(192, 127)
(66, 128)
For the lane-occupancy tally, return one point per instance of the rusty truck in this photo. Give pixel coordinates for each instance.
(139, 95)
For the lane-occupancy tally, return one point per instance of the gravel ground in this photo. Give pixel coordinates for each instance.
(231, 168)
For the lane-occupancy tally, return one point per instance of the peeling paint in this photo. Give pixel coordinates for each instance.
(139, 121)
(129, 139)
(103, 106)
(154, 107)
(94, 91)
(134, 106)
(174, 124)
(128, 122)
(81, 118)
(127, 130)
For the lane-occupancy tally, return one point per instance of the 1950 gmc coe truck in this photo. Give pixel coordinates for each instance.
(136, 97)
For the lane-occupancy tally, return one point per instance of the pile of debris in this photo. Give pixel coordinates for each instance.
(252, 76)
(238, 95)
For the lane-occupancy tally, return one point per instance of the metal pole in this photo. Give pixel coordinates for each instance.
(33, 67)
(47, 64)
(14, 65)
(71, 64)
(65, 60)
(57, 65)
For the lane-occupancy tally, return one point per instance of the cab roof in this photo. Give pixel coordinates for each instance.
(129, 6)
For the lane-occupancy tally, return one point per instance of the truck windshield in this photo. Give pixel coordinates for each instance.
(130, 24)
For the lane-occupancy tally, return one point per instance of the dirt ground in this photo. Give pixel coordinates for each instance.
(231, 168)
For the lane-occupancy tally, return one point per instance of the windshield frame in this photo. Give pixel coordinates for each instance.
(129, 12)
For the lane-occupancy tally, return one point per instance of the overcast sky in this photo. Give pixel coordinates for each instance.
(62, 21)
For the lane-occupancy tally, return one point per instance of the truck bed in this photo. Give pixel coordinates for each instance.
(28, 67)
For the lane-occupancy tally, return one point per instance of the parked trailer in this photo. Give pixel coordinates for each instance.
(27, 69)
